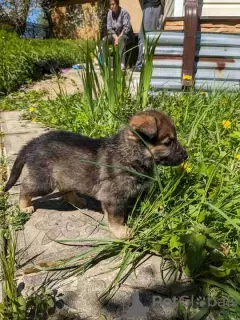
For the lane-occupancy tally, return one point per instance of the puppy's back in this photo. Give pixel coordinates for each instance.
(56, 149)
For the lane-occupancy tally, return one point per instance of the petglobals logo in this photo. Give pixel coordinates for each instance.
(198, 302)
(138, 311)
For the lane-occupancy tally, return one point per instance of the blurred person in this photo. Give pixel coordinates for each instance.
(152, 11)
(119, 29)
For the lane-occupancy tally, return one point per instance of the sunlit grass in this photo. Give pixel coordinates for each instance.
(191, 215)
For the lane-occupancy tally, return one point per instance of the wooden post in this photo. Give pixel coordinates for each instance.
(191, 26)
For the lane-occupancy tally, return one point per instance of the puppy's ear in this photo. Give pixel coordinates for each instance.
(144, 124)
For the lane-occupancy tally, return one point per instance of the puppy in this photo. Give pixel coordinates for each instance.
(101, 168)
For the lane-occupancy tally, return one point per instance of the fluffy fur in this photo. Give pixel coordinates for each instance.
(100, 168)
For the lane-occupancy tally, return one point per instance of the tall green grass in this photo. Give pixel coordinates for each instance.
(19, 55)
(191, 216)
(193, 219)
(16, 305)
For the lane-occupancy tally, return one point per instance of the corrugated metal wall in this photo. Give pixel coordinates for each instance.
(217, 61)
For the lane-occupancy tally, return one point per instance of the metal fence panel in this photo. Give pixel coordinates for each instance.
(219, 85)
(170, 84)
(217, 61)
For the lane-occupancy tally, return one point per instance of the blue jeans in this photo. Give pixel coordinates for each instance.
(124, 40)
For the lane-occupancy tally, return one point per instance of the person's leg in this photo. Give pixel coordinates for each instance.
(122, 49)
(105, 40)
(140, 44)
(150, 22)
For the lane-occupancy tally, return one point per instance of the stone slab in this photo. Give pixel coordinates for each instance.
(14, 142)
(21, 127)
(69, 83)
(17, 133)
(10, 116)
(57, 221)
(142, 296)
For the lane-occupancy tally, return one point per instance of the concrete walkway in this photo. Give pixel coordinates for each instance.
(70, 82)
(143, 295)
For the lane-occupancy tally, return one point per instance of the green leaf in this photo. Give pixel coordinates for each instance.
(193, 211)
(175, 242)
(202, 215)
(213, 244)
(201, 314)
(232, 293)
(195, 253)
(219, 272)
(50, 302)
(229, 220)
(235, 135)
(238, 251)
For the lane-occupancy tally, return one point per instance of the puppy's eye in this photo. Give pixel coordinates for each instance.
(167, 143)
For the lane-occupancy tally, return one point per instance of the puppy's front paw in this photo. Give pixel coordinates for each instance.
(122, 232)
(29, 210)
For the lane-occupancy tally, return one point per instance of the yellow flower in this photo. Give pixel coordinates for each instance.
(187, 77)
(226, 124)
(185, 167)
(224, 101)
(31, 109)
(237, 156)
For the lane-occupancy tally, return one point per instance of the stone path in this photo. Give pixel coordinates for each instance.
(70, 82)
(139, 297)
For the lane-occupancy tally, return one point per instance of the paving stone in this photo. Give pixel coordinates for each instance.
(38, 239)
(14, 142)
(81, 294)
(10, 116)
(17, 133)
(18, 127)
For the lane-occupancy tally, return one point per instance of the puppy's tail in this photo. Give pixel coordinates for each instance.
(16, 171)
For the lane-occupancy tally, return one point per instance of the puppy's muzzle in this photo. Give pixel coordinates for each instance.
(176, 156)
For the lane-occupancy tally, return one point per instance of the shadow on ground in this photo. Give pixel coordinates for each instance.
(54, 201)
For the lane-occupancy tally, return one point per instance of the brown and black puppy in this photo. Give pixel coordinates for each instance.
(100, 168)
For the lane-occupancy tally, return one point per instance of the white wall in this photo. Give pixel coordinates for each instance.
(211, 8)
(221, 8)
(178, 8)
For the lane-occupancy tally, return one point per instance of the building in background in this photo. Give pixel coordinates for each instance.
(199, 46)
(84, 18)
(76, 19)
(216, 15)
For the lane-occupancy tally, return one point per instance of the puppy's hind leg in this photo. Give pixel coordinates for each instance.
(72, 198)
(35, 182)
(25, 203)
